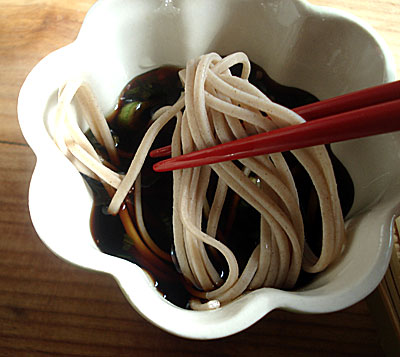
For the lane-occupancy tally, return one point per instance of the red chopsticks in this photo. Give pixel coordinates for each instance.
(371, 111)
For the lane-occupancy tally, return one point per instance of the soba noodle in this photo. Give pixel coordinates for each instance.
(217, 107)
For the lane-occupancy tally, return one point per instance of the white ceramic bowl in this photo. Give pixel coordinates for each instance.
(321, 50)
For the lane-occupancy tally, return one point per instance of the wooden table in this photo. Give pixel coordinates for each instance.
(49, 307)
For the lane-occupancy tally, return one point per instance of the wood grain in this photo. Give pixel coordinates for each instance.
(51, 308)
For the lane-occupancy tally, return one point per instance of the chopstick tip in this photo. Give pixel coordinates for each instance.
(161, 152)
(161, 166)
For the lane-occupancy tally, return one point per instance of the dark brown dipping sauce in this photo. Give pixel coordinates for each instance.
(131, 118)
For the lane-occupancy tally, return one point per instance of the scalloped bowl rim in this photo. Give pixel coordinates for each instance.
(228, 320)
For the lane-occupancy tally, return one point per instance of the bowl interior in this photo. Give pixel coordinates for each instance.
(293, 42)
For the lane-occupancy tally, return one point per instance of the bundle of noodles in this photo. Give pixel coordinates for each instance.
(217, 107)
